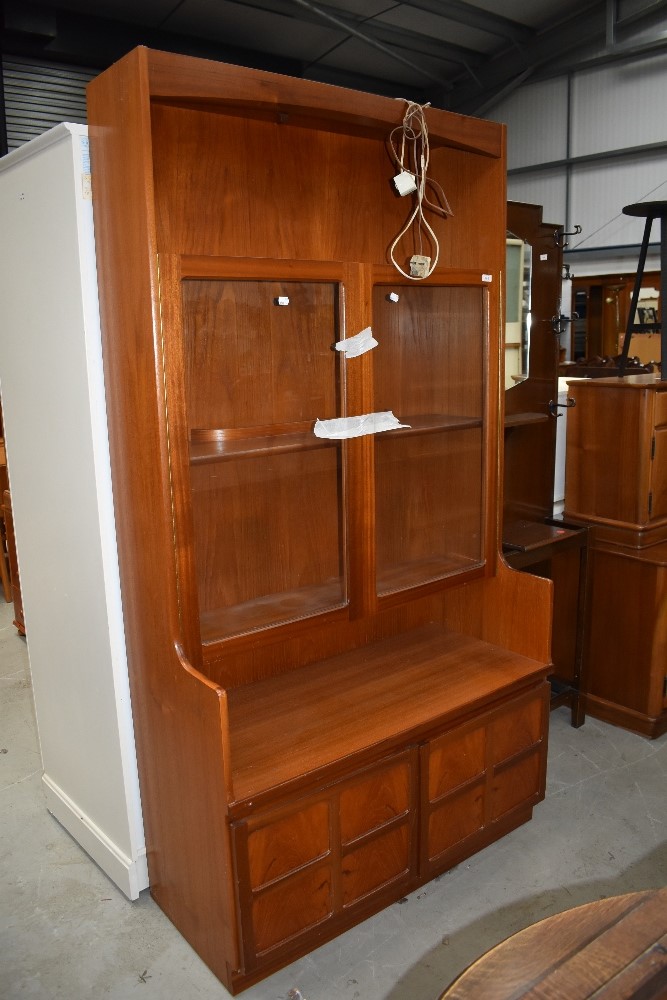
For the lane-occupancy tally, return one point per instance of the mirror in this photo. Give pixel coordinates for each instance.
(518, 270)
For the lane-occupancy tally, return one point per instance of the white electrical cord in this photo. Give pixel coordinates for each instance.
(413, 162)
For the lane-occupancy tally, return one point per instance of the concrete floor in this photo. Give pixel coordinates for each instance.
(66, 932)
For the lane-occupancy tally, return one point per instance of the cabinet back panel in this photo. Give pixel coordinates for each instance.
(252, 362)
(432, 350)
(412, 523)
(265, 527)
(306, 194)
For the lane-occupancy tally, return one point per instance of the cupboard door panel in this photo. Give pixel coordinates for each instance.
(516, 729)
(456, 819)
(381, 860)
(660, 410)
(477, 774)
(283, 846)
(313, 858)
(429, 370)
(375, 801)
(266, 494)
(516, 785)
(293, 905)
(454, 758)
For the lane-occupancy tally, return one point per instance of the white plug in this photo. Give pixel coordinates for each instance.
(419, 266)
(405, 183)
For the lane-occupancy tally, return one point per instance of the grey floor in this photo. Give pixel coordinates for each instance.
(67, 932)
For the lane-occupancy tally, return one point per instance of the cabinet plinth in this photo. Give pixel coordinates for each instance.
(315, 625)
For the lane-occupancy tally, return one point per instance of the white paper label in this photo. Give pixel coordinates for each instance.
(352, 347)
(351, 427)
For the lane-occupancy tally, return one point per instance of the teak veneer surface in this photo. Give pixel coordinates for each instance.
(285, 726)
(193, 82)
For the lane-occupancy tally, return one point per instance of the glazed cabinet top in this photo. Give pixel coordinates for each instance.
(244, 225)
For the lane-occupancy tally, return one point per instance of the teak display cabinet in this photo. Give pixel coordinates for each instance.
(338, 686)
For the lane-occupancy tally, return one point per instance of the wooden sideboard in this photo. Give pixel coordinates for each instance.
(616, 482)
(339, 689)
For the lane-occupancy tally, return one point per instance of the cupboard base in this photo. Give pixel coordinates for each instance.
(238, 981)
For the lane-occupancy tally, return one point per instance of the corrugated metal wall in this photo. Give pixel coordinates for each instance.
(613, 115)
(39, 95)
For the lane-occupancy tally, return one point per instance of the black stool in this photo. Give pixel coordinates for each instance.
(649, 210)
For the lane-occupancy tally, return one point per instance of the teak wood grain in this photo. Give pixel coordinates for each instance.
(615, 480)
(408, 684)
(616, 454)
(274, 608)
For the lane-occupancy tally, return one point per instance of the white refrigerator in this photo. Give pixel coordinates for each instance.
(53, 400)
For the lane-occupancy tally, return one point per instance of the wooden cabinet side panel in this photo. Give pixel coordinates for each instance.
(495, 610)
(180, 719)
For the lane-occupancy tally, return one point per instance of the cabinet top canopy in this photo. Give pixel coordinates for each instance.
(223, 88)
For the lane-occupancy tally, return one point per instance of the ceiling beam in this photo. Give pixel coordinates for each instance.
(503, 71)
(404, 39)
(475, 17)
(373, 42)
(574, 43)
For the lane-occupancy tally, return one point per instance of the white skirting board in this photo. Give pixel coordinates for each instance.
(131, 876)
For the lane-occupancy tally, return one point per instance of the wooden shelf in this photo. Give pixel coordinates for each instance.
(219, 445)
(300, 722)
(257, 442)
(271, 609)
(413, 574)
(524, 419)
(431, 423)
(524, 536)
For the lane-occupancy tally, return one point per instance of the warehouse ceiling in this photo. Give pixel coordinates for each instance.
(459, 55)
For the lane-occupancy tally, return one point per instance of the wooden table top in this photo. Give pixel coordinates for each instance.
(611, 949)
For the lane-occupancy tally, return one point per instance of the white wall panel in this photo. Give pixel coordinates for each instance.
(536, 118)
(599, 191)
(618, 106)
(546, 188)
